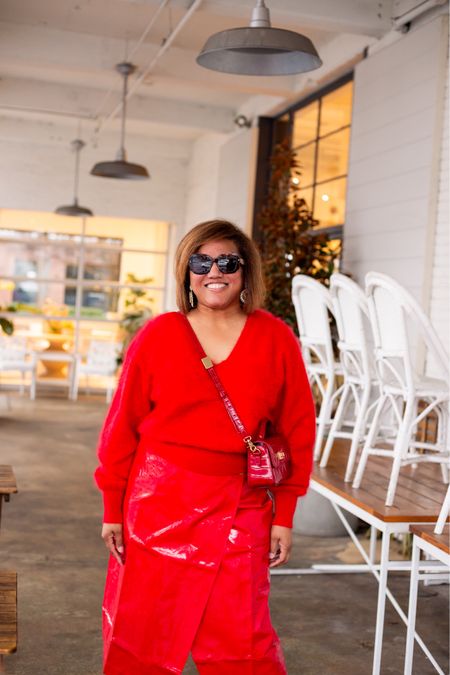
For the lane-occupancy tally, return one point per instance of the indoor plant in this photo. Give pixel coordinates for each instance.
(138, 310)
(290, 244)
(288, 237)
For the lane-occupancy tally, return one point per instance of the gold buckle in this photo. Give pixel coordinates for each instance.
(207, 362)
(250, 445)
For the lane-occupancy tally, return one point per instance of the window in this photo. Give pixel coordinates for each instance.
(72, 279)
(99, 265)
(318, 129)
(321, 138)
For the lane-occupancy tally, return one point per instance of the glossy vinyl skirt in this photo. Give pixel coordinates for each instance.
(195, 577)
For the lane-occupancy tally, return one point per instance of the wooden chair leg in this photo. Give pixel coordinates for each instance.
(2, 665)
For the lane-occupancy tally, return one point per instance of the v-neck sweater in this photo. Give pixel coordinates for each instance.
(166, 403)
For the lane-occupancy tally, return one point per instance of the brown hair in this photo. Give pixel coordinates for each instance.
(211, 230)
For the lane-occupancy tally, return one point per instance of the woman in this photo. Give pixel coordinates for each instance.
(190, 541)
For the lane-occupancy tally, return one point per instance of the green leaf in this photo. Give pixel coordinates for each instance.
(6, 325)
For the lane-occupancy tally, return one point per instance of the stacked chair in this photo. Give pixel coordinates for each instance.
(360, 384)
(313, 309)
(376, 394)
(400, 329)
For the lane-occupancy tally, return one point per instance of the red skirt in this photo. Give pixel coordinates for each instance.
(195, 578)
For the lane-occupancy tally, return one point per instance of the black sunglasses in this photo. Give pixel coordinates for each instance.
(199, 263)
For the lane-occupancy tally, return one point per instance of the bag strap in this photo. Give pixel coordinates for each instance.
(229, 407)
(209, 367)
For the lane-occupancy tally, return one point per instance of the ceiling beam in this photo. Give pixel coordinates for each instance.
(50, 98)
(45, 54)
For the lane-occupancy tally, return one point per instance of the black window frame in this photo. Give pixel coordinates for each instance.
(272, 130)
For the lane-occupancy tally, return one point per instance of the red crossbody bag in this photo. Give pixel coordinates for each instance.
(268, 458)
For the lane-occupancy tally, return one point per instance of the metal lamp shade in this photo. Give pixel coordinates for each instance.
(259, 51)
(73, 210)
(119, 168)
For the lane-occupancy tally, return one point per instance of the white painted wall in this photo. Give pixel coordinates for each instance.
(37, 168)
(237, 170)
(202, 180)
(221, 176)
(440, 286)
(392, 170)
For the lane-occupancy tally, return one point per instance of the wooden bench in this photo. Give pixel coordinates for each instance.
(419, 496)
(8, 485)
(8, 615)
(8, 580)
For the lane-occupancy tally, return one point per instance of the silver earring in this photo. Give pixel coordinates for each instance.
(191, 297)
(243, 296)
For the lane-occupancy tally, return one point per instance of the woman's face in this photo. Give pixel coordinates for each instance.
(217, 290)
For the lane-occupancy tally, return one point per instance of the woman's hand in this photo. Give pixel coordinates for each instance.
(112, 536)
(280, 545)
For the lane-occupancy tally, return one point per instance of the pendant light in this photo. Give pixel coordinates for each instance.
(74, 209)
(259, 49)
(120, 168)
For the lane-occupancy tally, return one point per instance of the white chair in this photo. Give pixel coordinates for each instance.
(14, 357)
(397, 320)
(101, 360)
(436, 549)
(312, 302)
(357, 361)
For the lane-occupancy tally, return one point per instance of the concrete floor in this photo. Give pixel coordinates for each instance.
(50, 535)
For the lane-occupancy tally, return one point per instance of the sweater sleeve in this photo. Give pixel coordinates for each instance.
(296, 420)
(119, 436)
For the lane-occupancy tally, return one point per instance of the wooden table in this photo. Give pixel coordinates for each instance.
(8, 485)
(8, 580)
(438, 541)
(8, 614)
(56, 356)
(437, 546)
(419, 497)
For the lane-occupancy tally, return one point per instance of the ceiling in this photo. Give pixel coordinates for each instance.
(58, 56)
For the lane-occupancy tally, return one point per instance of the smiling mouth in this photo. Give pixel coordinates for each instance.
(216, 286)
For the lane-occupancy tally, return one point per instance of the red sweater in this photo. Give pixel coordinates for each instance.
(166, 400)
